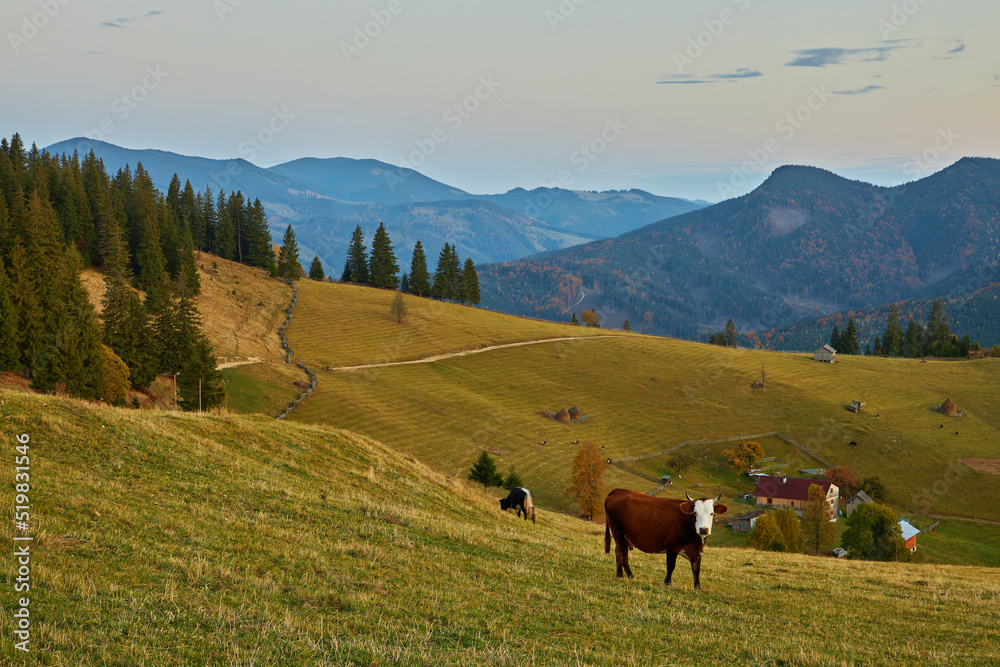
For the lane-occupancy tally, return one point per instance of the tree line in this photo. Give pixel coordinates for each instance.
(60, 214)
(380, 268)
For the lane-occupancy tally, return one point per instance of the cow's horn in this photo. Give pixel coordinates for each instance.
(688, 497)
(719, 497)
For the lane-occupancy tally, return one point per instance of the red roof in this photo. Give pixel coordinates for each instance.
(791, 488)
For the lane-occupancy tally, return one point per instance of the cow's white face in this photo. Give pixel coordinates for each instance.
(704, 514)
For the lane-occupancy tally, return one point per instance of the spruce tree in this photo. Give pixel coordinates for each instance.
(382, 266)
(485, 472)
(470, 283)
(345, 275)
(730, 334)
(316, 269)
(420, 280)
(892, 339)
(288, 257)
(445, 276)
(835, 339)
(24, 297)
(187, 262)
(199, 383)
(9, 355)
(258, 232)
(149, 257)
(127, 331)
(357, 258)
(404, 283)
(225, 239)
(849, 339)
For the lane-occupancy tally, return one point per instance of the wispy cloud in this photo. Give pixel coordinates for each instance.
(154, 12)
(859, 91)
(121, 23)
(688, 79)
(832, 56)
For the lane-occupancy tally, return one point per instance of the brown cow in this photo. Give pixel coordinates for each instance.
(658, 525)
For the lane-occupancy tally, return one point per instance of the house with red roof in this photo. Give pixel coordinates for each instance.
(793, 492)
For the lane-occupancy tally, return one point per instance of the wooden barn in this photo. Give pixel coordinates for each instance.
(825, 353)
(857, 499)
(909, 534)
(745, 523)
(793, 492)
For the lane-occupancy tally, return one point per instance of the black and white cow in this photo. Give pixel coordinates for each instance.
(521, 500)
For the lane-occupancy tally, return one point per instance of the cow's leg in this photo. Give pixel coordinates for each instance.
(671, 563)
(524, 508)
(696, 570)
(618, 561)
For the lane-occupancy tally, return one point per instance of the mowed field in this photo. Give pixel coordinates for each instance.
(644, 394)
(175, 539)
(342, 325)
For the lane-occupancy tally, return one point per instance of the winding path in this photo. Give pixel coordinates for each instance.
(463, 353)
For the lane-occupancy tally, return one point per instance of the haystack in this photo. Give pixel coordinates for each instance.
(575, 413)
(948, 407)
(562, 416)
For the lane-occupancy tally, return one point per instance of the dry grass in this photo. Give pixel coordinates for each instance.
(241, 307)
(172, 539)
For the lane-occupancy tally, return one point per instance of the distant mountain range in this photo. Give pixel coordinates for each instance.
(805, 243)
(324, 199)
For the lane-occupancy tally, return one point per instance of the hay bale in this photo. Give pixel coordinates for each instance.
(949, 407)
(575, 412)
(562, 416)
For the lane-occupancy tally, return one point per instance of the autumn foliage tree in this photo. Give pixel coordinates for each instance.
(816, 519)
(588, 488)
(843, 478)
(744, 456)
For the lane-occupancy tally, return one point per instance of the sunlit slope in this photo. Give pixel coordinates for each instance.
(341, 325)
(173, 539)
(643, 395)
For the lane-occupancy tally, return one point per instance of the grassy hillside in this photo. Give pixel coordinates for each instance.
(173, 539)
(241, 307)
(342, 325)
(645, 394)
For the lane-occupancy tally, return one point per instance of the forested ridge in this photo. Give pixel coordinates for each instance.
(805, 240)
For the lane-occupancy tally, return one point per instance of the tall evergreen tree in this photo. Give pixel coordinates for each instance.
(382, 266)
(316, 269)
(24, 296)
(849, 339)
(913, 339)
(357, 258)
(835, 339)
(199, 384)
(892, 339)
(938, 332)
(420, 279)
(225, 238)
(127, 331)
(446, 276)
(730, 333)
(8, 322)
(404, 283)
(149, 257)
(258, 232)
(288, 257)
(470, 283)
(188, 264)
(345, 275)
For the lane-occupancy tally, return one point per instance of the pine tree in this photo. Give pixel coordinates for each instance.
(445, 276)
(225, 239)
(404, 283)
(288, 257)
(849, 339)
(626, 326)
(470, 283)
(24, 297)
(730, 333)
(512, 480)
(149, 258)
(188, 265)
(316, 269)
(9, 355)
(485, 472)
(892, 339)
(357, 258)
(835, 339)
(345, 275)
(382, 266)
(259, 252)
(199, 384)
(573, 320)
(127, 331)
(420, 280)
(913, 339)
(938, 332)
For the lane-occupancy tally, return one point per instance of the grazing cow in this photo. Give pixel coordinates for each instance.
(659, 525)
(521, 500)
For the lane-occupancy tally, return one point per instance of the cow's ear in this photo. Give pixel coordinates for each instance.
(721, 509)
(687, 508)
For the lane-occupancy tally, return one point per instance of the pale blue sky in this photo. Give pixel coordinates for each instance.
(869, 85)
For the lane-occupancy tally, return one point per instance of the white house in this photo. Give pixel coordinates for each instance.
(826, 353)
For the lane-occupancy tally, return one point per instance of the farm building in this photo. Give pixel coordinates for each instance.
(909, 534)
(826, 353)
(793, 492)
(857, 499)
(745, 523)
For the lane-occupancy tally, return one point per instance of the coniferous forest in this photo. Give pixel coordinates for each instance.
(61, 213)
